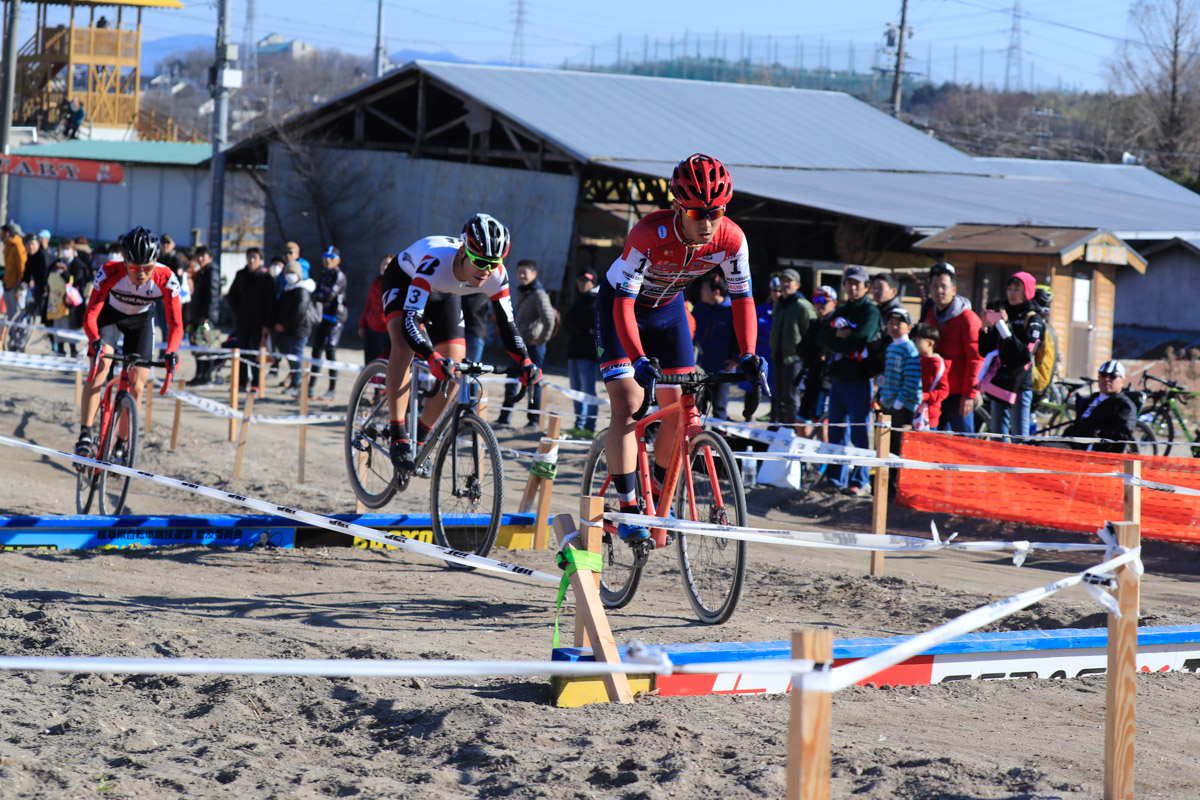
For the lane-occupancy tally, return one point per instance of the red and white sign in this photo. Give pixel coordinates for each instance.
(62, 169)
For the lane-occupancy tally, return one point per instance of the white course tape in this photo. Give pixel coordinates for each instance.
(335, 668)
(49, 363)
(317, 520)
(547, 458)
(857, 671)
(297, 419)
(840, 539)
(211, 406)
(66, 334)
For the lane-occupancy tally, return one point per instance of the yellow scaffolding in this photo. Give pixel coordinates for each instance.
(97, 65)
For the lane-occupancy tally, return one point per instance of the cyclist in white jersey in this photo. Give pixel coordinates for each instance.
(422, 291)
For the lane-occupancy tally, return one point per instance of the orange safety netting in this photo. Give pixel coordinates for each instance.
(1067, 502)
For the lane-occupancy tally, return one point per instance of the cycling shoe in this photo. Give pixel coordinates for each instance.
(633, 533)
(401, 455)
(83, 447)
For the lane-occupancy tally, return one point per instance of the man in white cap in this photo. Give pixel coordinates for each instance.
(1107, 414)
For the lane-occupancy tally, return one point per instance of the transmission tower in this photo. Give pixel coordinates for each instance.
(1012, 68)
(249, 54)
(517, 56)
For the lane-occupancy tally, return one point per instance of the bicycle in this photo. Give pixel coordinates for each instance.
(712, 568)
(116, 430)
(467, 496)
(1163, 413)
(1059, 405)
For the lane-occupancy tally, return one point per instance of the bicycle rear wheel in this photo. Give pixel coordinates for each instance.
(622, 569)
(712, 568)
(368, 438)
(114, 488)
(87, 481)
(467, 496)
(1163, 427)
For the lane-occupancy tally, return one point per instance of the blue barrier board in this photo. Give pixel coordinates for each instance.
(84, 532)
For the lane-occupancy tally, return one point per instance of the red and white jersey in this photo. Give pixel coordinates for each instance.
(114, 288)
(656, 264)
(429, 262)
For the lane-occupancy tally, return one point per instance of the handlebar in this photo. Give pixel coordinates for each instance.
(1173, 387)
(692, 382)
(469, 369)
(129, 361)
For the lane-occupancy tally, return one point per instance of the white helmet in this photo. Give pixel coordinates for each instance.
(486, 237)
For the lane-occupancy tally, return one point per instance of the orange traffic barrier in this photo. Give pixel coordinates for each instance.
(1067, 502)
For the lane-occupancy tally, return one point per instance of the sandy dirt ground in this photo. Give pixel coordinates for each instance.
(85, 736)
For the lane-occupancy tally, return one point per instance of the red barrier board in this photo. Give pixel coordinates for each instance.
(1066, 502)
(62, 169)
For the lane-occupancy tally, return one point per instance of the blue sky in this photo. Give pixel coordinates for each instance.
(1065, 41)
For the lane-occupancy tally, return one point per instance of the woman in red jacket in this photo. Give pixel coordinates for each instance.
(959, 327)
(372, 327)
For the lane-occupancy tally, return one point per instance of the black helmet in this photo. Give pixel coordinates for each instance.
(486, 237)
(140, 247)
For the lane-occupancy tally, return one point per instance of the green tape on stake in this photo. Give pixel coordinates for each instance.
(544, 470)
(571, 561)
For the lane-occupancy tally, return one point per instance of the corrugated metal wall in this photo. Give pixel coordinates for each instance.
(377, 203)
(162, 198)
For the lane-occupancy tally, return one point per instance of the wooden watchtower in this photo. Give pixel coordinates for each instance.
(94, 57)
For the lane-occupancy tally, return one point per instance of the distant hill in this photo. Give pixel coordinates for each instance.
(404, 56)
(155, 51)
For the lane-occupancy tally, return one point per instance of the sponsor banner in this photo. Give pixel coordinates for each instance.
(62, 169)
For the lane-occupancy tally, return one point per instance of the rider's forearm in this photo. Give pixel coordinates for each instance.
(745, 323)
(627, 329)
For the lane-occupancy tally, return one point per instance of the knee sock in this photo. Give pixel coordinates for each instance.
(626, 487)
(399, 430)
(423, 431)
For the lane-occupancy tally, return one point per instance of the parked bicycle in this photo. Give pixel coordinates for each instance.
(703, 483)
(116, 432)
(461, 457)
(1162, 414)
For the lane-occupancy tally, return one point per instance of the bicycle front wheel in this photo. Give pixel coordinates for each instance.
(87, 481)
(1146, 445)
(1164, 429)
(467, 496)
(712, 568)
(120, 448)
(368, 438)
(622, 570)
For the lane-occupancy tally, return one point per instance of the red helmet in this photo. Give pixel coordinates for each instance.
(700, 181)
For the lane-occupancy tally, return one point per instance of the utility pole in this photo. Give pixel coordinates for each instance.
(1012, 69)
(9, 89)
(517, 56)
(380, 49)
(898, 80)
(223, 79)
(249, 58)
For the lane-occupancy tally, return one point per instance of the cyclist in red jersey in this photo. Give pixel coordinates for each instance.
(640, 311)
(120, 313)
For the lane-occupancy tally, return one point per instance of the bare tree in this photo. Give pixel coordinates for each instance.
(1163, 72)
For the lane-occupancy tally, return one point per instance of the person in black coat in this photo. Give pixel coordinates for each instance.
(1107, 414)
(37, 268)
(582, 364)
(206, 294)
(251, 298)
(331, 295)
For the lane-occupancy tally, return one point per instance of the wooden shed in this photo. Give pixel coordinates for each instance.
(1079, 264)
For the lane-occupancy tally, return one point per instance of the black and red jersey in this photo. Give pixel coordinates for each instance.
(114, 288)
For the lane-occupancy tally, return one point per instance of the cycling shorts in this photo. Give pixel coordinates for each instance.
(664, 330)
(127, 333)
(442, 315)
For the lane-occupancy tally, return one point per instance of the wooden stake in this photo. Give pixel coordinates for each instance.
(1121, 679)
(883, 449)
(78, 387)
(591, 509)
(262, 367)
(1133, 494)
(236, 362)
(541, 530)
(149, 402)
(175, 422)
(531, 486)
(482, 405)
(543, 425)
(304, 378)
(589, 612)
(241, 446)
(359, 506)
(810, 757)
